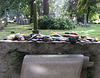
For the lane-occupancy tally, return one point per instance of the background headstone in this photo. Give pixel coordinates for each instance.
(75, 20)
(98, 16)
(6, 18)
(28, 21)
(85, 18)
(24, 22)
(1, 25)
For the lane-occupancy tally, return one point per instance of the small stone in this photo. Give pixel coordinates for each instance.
(83, 25)
(8, 38)
(87, 25)
(20, 37)
(12, 32)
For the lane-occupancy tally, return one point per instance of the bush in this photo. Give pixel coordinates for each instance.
(45, 22)
(70, 24)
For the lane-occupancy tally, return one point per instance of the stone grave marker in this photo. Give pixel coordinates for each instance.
(25, 22)
(6, 18)
(1, 25)
(21, 22)
(75, 20)
(85, 18)
(87, 25)
(28, 21)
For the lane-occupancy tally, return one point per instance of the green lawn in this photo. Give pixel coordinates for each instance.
(93, 31)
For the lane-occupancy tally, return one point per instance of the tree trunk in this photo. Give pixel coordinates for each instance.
(6, 18)
(46, 7)
(88, 13)
(31, 15)
(39, 11)
(17, 15)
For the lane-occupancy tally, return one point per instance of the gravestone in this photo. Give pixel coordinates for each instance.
(1, 25)
(25, 22)
(98, 16)
(52, 66)
(28, 21)
(85, 21)
(87, 25)
(55, 66)
(75, 20)
(6, 18)
(22, 22)
(19, 22)
(85, 18)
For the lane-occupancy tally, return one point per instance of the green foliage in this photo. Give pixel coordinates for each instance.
(45, 22)
(69, 7)
(32, 25)
(70, 24)
(86, 7)
(61, 23)
(98, 7)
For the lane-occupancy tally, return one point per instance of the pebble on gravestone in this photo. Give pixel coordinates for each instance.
(8, 38)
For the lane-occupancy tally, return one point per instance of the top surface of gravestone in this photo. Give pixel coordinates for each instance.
(52, 66)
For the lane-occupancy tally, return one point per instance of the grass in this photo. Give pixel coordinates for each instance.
(93, 31)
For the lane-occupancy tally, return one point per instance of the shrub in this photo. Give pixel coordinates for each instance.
(70, 24)
(45, 22)
(61, 23)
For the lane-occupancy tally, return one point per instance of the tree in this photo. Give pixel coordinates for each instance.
(98, 7)
(87, 6)
(46, 7)
(31, 3)
(4, 4)
(72, 6)
(69, 8)
(25, 6)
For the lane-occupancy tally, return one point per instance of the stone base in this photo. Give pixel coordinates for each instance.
(36, 31)
(1, 27)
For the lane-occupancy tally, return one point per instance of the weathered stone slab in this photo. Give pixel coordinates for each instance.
(1, 25)
(52, 66)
